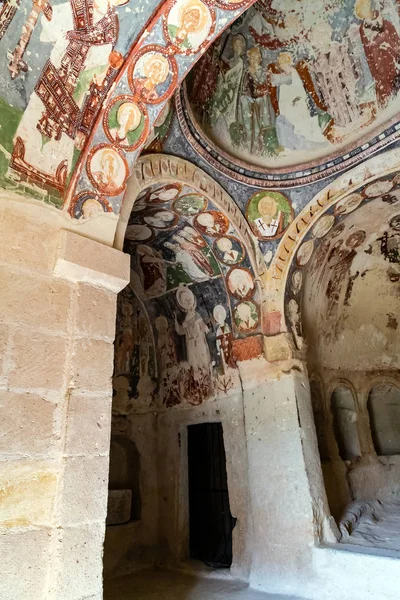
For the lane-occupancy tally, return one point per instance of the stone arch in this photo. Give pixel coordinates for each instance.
(163, 168)
(165, 229)
(276, 278)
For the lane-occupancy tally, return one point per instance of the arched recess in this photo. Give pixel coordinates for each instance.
(185, 235)
(344, 414)
(384, 415)
(277, 277)
(335, 275)
(179, 338)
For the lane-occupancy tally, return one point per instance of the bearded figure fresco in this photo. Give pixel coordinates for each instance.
(290, 83)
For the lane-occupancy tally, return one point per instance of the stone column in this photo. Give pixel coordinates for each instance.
(57, 326)
(288, 501)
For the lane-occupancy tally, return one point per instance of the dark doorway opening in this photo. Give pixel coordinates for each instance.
(210, 519)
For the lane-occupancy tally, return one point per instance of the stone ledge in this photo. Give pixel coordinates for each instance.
(80, 259)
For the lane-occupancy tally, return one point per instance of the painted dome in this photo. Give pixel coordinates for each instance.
(294, 83)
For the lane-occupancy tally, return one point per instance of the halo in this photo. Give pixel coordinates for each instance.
(119, 2)
(181, 292)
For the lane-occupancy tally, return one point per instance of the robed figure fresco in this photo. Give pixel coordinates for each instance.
(291, 89)
(381, 43)
(195, 332)
(257, 116)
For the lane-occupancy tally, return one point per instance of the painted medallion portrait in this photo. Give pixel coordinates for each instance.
(348, 204)
(211, 223)
(323, 225)
(107, 170)
(87, 205)
(189, 23)
(160, 218)
(245, 316)
(138, 233)
(126, 122)
(166, 193)
(153, 75)
(304, 253)
(229, 250)
(190, 204)
(240, 283)
(269, 214)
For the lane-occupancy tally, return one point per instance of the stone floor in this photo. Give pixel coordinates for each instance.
(174, 585)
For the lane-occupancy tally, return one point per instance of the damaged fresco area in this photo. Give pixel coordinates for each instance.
(192, 297)
(351, 255)
(291, 82)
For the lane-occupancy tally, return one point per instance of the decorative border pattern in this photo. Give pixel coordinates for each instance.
(283, 177)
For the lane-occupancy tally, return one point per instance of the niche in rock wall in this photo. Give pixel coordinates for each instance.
(317, 401)
(124, 500)
(384, 414)
(345, 423)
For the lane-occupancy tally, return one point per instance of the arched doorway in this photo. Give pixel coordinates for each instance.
(191, 311)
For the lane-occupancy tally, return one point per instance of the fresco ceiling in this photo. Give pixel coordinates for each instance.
(85, 82)
(350, 257)
(296, 86)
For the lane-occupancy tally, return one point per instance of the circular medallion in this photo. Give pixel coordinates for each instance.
(212, 223)
(138, 233)
(304, 253)
(166, 193)
(246, 316)
(188, 25)
(348, 204)
(126, 122)
(107, 169)
(87, 204)
(153, 74)
(190, 204)
(269, 214)
(240, 283)
(378, 188)
(296, 282)
(160, 218)
(229, 250)
(323, 225)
